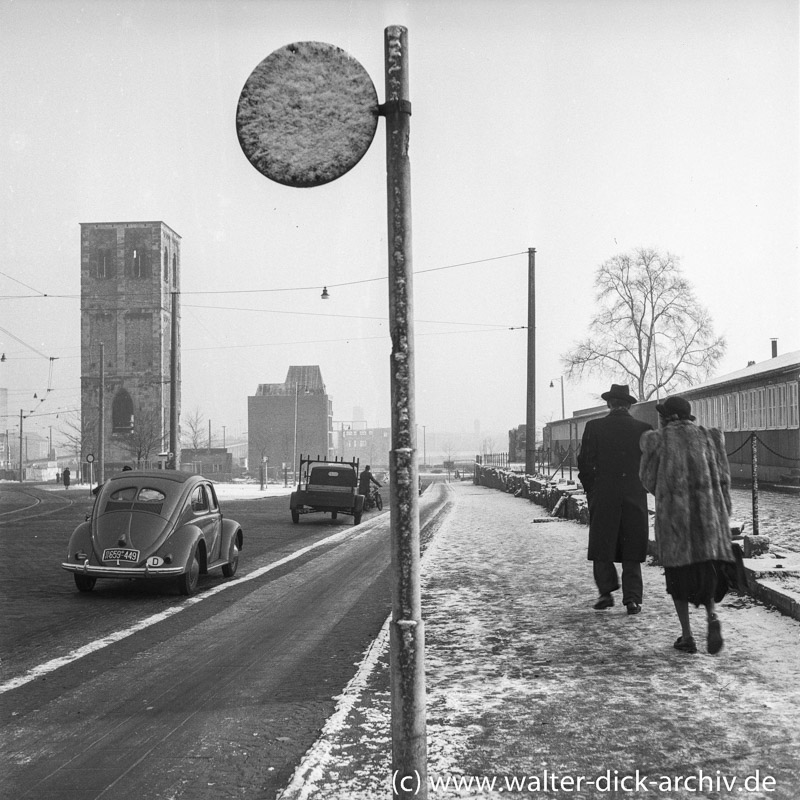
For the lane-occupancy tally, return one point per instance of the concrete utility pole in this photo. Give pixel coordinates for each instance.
(407, 633)
(101, 419)
(174, 460)
(20, 445)
(530, 419)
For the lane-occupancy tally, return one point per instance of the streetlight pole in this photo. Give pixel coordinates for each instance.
(563, 413)
(655, 362)
(294, 450)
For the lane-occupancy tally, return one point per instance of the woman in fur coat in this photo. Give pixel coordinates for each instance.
(685, 466)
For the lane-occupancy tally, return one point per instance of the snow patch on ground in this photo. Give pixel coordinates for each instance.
(522, 675)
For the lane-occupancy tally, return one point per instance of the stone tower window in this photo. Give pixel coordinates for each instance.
(105, 263)
(122, 412)
(166, 265)
(140, 259)
(138, 263)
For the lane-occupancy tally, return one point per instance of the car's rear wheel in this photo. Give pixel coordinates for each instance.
(187, 582)
(295, 516)
(229, 569)
(85, 583)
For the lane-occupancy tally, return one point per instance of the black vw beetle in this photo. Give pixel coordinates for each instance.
(154, 524)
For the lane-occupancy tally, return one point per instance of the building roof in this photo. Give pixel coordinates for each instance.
(129, 224)
(787, 361)
(305, 379)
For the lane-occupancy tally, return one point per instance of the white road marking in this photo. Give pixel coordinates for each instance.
(313, 765)
(99, 644)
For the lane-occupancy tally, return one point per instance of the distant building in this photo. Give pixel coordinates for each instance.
(758, 402)
(289, 419)
(369, 445)
(215, 462)
(34, 448)
(129, 272)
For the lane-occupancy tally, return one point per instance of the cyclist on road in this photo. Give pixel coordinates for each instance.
(364, 481)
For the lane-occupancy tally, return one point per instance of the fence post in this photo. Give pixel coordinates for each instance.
(754, 465)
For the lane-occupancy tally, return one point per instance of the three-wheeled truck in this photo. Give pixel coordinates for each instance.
(329, 486)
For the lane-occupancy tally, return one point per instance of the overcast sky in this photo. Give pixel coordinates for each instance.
(583, 128)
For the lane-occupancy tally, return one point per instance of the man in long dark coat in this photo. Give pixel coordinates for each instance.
(608, 469)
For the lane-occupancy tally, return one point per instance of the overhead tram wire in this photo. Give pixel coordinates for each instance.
(39, 353)
(264, 291)
(344, 339)
(338, 316)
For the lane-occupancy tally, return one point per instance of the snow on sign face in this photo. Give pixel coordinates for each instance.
(307, 114)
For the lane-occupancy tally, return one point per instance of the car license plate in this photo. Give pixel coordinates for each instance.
(120, 555)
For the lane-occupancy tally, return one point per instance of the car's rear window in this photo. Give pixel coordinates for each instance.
(135, 498)
(332, 477)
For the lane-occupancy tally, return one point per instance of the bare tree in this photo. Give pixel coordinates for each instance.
(650, 330)
(76, 440)
(194, 430)
(258, 446)
(146, 439)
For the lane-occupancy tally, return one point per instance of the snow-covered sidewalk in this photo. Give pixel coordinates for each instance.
(531, 693)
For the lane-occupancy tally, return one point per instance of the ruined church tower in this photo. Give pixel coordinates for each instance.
(130, 272)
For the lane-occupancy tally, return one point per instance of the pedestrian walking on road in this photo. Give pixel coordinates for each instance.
(66, 475)
(685, 466)
(608, 469)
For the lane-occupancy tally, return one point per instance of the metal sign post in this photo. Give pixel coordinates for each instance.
(306, 115)
(90, 461)
(407, 632)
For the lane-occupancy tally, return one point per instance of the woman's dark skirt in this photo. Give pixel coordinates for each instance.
(705, 581)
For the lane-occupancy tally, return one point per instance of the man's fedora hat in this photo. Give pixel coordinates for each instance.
(619, 391)
(675, 406)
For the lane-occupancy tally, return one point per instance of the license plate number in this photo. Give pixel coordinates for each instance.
(120, 555)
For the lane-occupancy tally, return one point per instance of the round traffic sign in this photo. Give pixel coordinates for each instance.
(90, 458)
(307, 114)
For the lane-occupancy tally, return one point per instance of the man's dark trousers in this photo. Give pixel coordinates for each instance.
(607, 580)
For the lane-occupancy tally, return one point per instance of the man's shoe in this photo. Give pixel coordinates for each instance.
(685, 645)
(714, 640)
(604, 601)
(633, 608)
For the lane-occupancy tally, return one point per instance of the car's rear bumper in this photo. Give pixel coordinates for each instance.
(95, 571)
